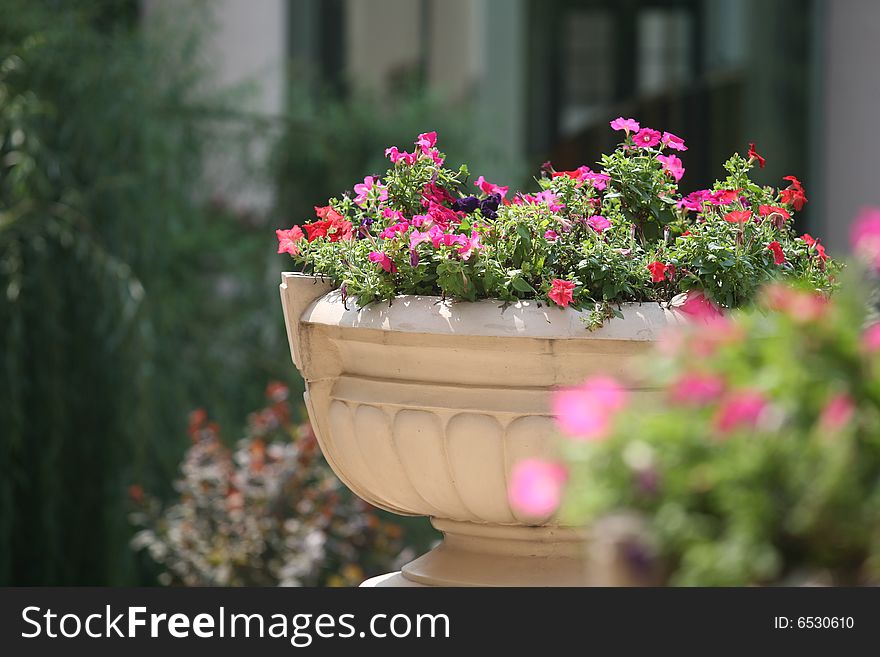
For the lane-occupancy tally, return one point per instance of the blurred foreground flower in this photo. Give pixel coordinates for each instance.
(761, 462)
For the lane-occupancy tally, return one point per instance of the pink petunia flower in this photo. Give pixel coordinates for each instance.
(470, 245)
(395, 155)
(865, 236)
(778, 253)
(551, 236)
(837, 412)
(694, 201)
(871, 339)
(741, 410)
(390, 231)
(490, 188)
(383, 260)
(628, 125)
(672, 165)
(647, 138)
(599, 180)
(363, 189)
(561, 292)
(696, 305)
(598, 223)
(694, 389)
(672, 141)
(426, 141)
(287, 240)
(536, 486)
(585, 413)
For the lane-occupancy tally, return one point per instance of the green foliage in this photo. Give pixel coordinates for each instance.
(421, 230)
(116, 320)
(788, 493)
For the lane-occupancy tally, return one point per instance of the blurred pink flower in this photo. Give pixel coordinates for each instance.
(672, 165)
(585, 412)
(490, 188)
(536, 486)
(871, 338)
(694, 389)
(742, 409)
(800, 305)
(696, 305)
(551, 236)
(837, 412)
(865, 236)
(629, 125)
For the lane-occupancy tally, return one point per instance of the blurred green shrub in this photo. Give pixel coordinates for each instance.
(124, 297)
(269, 513)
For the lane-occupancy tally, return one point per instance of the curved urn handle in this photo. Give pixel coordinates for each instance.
(298, 291)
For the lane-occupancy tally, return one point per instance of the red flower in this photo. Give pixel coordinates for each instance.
(778, 253)
(658, 271)
(813, 242)
(793, 195)
(767, 210)
(287, 240)
(753, 155)
(738, 216)
(724, 196)
(562, 292)
(333, 226)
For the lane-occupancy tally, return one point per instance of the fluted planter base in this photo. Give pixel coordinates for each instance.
(425, 407)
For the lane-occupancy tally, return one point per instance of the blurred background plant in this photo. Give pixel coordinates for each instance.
(268, 513)
(760, 462)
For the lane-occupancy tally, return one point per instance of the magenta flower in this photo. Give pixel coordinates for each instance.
(551, 236)
(695, 389)
(671, 141)
(416, 238)
(696, 305)
(470, 245)
(441, 215)
(694, 201)
(395, 155)
(647, 138)
(837, 412)
(871, 338)
(628, 125)
(426, 141)
(440, 238)
(383, 260)
(865, 236)
(741, 410)
(390, 231)
(363, 190)
(598, 223)
(598, 180)
(585, 412)
(536, 487)
(672, 165)
(490, 188)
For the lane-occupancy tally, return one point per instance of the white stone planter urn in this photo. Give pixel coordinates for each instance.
(423, 407)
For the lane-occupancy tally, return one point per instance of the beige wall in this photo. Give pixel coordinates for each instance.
(850, 102)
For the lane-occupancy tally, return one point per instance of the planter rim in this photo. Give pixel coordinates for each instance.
(485, 318)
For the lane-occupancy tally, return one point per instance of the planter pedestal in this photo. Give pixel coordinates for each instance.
(423, 407)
